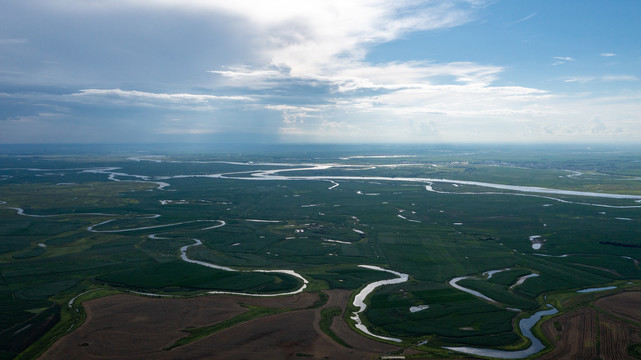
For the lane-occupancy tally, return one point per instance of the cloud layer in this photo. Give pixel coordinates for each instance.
(297, 71)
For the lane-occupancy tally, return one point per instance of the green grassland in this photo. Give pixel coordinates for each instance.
(48, 255)
(457, 317)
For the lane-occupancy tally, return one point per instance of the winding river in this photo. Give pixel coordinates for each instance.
(454, 283)
(359, 299)
(184, 257)
(275, 174)
(525, 325)
(271, 175)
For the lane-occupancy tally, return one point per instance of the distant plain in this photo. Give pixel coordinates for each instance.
(85, 226)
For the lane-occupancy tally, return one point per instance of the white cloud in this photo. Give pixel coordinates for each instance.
(307, 36)
(306, 61)
(619, 78)
(156, 96)
(310, 37)
(293, 114)
(242, 73)
(290, 108)
(580, 79)
(361, 75)
(602, 78)
(11, 41)
(489, 114)
(562, 60)
(522, 19)
(181, 131)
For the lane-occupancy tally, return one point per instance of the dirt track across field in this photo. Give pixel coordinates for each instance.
(127, 326)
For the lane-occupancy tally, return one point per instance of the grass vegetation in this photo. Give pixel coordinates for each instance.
(70, 317)
(327, 315)
(179, 276)
(253, 312)
(635, 351)
(48, 255)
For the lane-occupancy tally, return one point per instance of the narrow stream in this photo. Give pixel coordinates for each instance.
(359, 299)
(525, 325)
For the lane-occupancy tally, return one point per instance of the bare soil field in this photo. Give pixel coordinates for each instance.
(283, 336)
(626, 305)
(116, 324)
(126, 326)
(615, 337)
(575, 334)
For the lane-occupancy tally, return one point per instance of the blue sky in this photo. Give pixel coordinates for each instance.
(79, 71)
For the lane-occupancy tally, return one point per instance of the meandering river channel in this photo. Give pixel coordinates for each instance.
(359, 300)
(525, 325)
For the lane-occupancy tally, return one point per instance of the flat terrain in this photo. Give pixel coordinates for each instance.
(577, 337)
(466, 241)
(626, 305)
(588, 334)
(126, 326)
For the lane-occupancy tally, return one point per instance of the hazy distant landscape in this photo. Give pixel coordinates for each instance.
(472, 239)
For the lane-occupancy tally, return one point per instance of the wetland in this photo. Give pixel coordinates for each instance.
(451, 227)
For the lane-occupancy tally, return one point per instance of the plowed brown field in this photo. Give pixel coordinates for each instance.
(615, 337)
(626, 305)
(133, 327)
(581, 329)
(577, 338)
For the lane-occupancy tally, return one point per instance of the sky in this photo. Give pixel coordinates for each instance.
(328, 71)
